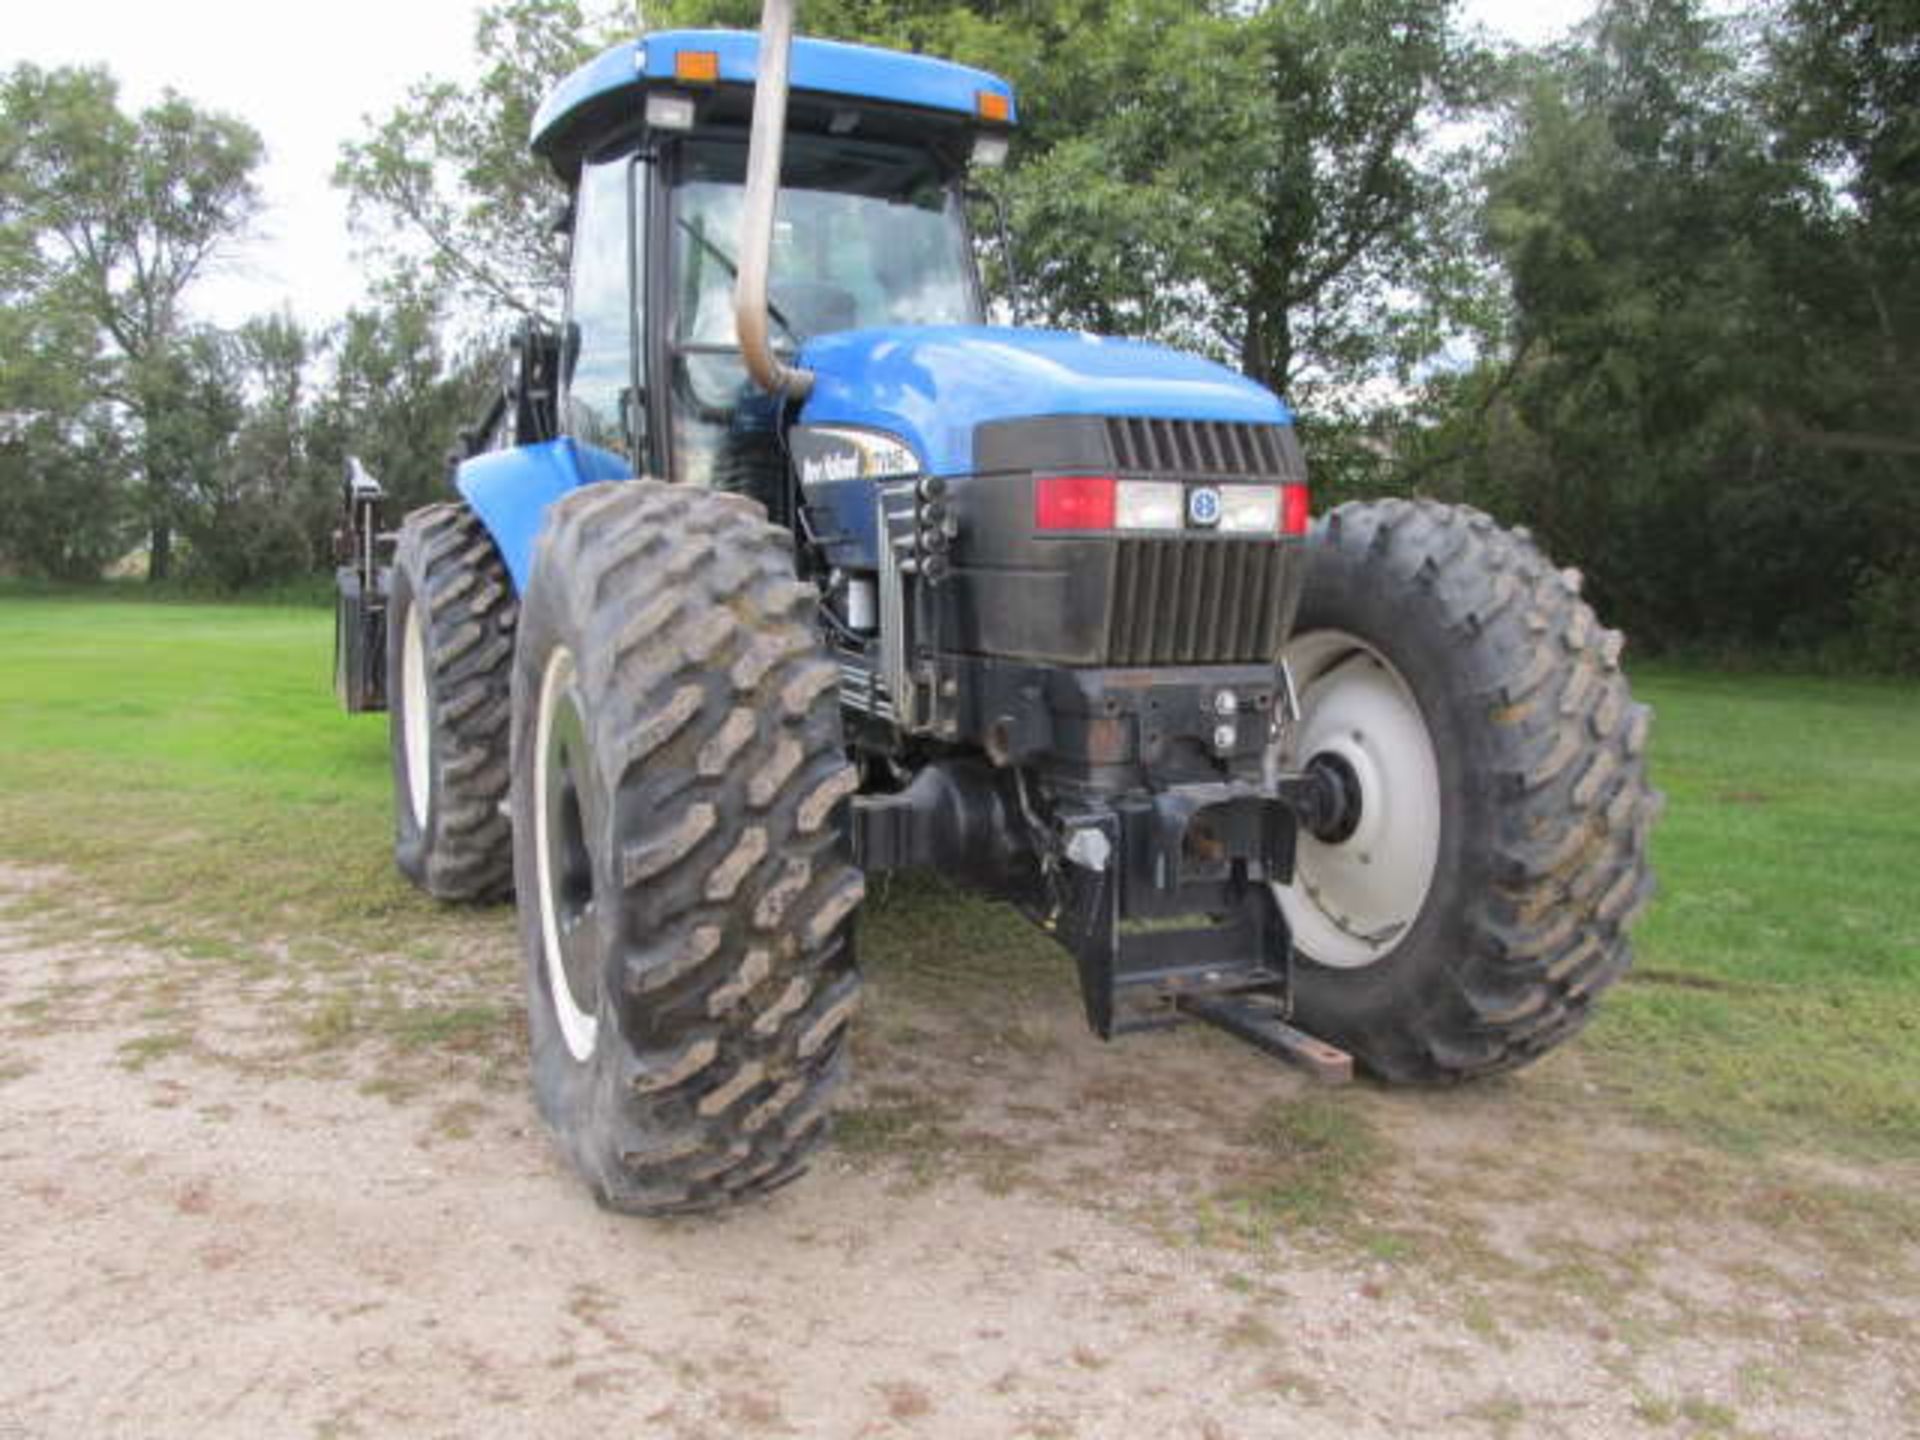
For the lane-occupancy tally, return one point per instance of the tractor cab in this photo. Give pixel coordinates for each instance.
(870, 234)
(1004, 495)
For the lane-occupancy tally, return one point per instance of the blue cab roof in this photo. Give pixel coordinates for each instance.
(823, 66)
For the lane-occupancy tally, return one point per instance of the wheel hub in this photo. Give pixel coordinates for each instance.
(1365, 865)
(568, 912)
(1338, 796)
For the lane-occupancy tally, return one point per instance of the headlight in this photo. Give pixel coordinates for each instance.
(1150, 505)
(1250, 509)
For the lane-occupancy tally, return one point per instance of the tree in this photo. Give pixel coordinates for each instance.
(1264, 183)
(397, 400)
(1844, 95)
(119, 215)
(1683, 403)
(63, 472)
(445, 188)
(60, 473)
(259, 513)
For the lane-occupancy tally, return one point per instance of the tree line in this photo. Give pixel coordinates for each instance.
(1652, 291)
(128, 427)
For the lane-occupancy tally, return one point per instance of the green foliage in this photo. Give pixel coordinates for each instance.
(121, 415)
(1886, 610)
(109, 217)
(445, 190)
(277, 411)
(254, 512)
(398, 398)
(62, 468)
(1705, 397)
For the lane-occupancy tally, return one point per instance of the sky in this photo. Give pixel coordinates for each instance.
(307, 76)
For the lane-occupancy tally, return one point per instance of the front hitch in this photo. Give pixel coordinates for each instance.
(1167, 903)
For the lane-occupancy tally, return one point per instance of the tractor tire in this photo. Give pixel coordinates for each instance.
(686, 893)
(1481, 902)
(450, 627)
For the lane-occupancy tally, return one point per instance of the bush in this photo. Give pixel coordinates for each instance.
(1886, 608)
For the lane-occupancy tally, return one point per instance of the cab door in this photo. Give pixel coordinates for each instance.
(604, 395)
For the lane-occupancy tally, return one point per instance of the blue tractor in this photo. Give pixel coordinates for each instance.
(777, 568)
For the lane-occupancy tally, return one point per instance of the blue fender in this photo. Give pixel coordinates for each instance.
(510, 491)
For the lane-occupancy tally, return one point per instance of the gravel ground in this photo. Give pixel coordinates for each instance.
(212, 1233)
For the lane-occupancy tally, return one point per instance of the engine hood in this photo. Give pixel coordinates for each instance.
(931, 386)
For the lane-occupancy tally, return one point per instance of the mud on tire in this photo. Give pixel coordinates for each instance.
(450, 708)
(686, 896)
(1539, 757)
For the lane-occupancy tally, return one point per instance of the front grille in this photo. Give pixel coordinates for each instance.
(1204, 447)
(1199, 602)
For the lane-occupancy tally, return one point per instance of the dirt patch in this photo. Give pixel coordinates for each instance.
(242, 1205)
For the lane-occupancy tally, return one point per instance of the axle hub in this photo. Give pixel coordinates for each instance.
(1328, 803)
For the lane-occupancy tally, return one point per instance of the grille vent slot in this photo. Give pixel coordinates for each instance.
(1205, 602)
(1203, 447)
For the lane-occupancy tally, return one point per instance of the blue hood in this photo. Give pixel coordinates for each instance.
(932, 385)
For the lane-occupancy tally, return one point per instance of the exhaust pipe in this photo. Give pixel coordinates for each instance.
(764, 149)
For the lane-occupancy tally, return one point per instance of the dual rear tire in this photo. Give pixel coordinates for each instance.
(450, 638)
(1469, 921)
(657, 717)
(686, 892)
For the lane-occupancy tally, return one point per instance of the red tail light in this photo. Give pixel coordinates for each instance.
(1294, 513)
(1073, 502)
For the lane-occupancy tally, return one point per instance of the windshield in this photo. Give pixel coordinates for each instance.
(864, 235)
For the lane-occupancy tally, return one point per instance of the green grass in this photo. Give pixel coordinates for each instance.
(190, 761)
(187, 765)
(1299, 1165)
(1776, 997)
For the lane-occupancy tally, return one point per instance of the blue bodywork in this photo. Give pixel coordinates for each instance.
(930, 386)
(510, 491)
(825, 66)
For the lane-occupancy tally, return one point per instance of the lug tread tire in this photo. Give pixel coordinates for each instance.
(1544, 786)
(729, 963)
(446, 562)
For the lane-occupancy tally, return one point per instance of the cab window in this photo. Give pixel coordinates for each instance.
(864, 235)
(602, 397)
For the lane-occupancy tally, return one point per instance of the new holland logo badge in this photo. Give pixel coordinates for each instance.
(1203, 507)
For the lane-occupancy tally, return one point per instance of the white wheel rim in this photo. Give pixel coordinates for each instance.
(579, 1028)
(416, 721)
(1352, 901)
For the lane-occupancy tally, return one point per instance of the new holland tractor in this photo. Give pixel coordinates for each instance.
(776, 568)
